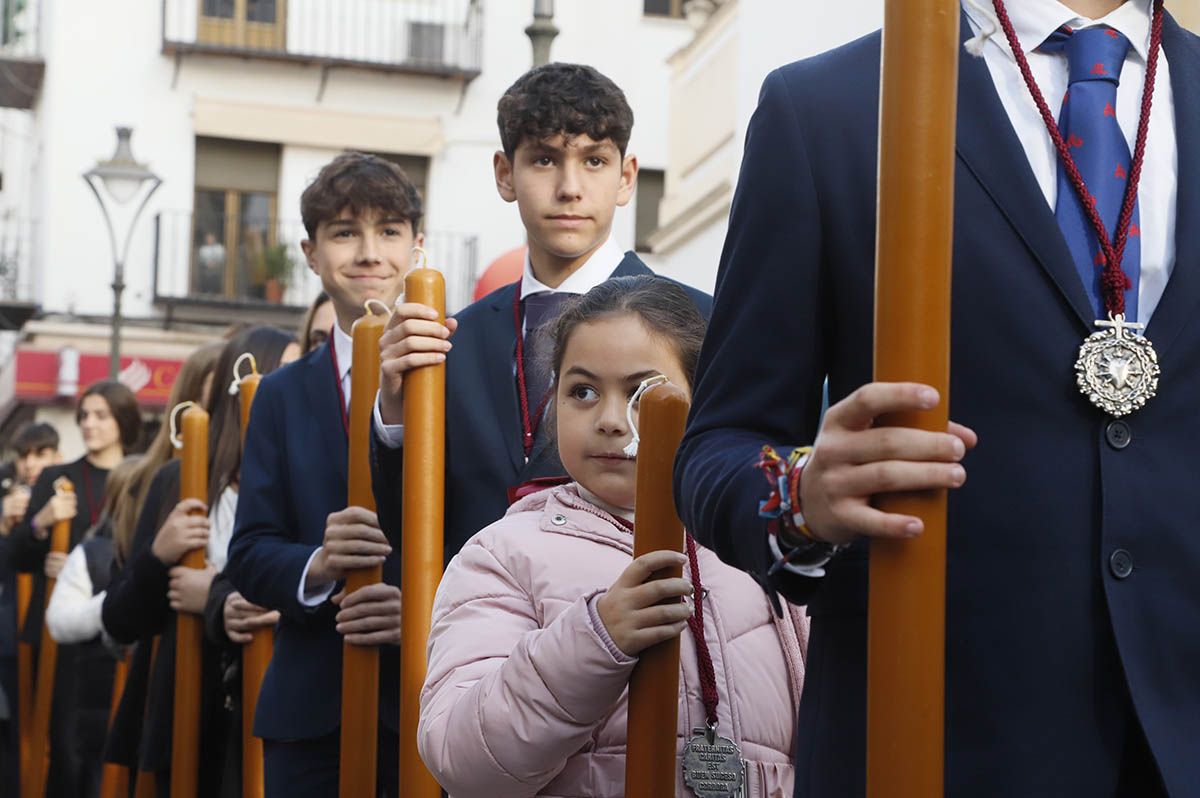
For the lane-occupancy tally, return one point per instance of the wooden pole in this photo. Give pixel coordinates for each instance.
(145, 783)
(906, 639)
(43, 699)
(114, 779)
(24, 676)
(189, 629)
(256, 655)
(651, 765)
(423, 521)
(360, 664)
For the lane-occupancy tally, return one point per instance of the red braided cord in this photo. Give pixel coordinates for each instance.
(529, 424)
(1114, 282)
(708, 674)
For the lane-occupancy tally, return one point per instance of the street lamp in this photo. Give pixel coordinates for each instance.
(542, 32)
(115, 183)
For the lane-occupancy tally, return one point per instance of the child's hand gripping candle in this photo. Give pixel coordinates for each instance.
(189, 629)
(541, 618)
(43, 699)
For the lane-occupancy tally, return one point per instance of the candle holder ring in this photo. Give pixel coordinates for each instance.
(176, 442)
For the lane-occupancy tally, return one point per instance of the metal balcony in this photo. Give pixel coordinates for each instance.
(255, 265)
(430, 37)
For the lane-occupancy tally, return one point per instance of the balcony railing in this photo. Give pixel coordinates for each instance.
(20, 53)
(16, 259)
(236, 262)
(441, 37)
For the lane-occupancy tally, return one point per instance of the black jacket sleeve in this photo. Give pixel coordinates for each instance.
(135, 605)
(214, 611)
(27, 552)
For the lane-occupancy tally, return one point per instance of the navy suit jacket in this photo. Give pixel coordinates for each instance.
(484, 456)
(293, 476)
(1048, 651)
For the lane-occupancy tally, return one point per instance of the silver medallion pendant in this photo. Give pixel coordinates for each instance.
(713, 766)
(1116, 371)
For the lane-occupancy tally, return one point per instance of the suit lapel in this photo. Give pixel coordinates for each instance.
(499, 344)
(989, 148)
(323, 399)
(1178, 304)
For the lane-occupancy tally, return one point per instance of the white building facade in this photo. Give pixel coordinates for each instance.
(235, 105)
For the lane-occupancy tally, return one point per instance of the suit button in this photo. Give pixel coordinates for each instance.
(1118, 434)
(1120, 563)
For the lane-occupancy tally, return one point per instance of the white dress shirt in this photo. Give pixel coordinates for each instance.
(343, 346)
(1034, 21)
(595, 270)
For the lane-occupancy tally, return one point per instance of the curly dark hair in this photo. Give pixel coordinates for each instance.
(571, 99)
(359, 182)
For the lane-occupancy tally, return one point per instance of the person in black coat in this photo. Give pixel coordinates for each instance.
(109, 420)
(143, 602)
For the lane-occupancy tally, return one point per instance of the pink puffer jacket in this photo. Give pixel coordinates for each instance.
(525, 692)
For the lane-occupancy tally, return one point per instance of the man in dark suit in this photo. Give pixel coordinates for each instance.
(295, 539)
(565, 165)
(1072, 665)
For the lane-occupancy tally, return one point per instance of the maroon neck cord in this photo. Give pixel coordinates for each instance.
(529, 424)
(708, 674)
(1113, 281)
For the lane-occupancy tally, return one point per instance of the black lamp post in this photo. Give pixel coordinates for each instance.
(116, 182)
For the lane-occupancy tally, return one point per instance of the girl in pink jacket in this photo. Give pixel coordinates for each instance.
(540, 618)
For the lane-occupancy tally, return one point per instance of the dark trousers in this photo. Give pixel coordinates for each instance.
(309, 768)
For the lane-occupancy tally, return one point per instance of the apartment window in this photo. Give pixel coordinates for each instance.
(663, 8)
(242, 24)
(426, 42)
(650, 188)
(234, 225)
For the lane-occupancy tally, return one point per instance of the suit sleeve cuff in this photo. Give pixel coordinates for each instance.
(390, 435)
(318, 595)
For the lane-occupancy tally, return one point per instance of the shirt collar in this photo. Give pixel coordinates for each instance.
(595, 270)
(343, 346)
(1034, 21)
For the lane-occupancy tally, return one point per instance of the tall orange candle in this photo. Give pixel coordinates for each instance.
(189, 629)
(650, 762)
(256, 655)
(423, 522)
(114, 778)
(360, 664)
(907, 605)
(24, 676)
(43, 699)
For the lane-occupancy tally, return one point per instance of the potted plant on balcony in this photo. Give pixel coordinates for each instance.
(277, 266)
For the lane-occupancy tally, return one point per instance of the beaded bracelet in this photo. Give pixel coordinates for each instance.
(782, 507)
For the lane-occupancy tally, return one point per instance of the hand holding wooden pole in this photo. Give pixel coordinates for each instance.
(906, 646)
(650, 761)
(189, 629)
(47, 666)
(256, 655)
(360, 664)
(422, 555)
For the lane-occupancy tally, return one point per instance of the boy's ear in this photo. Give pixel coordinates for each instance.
(503, 169)
(629, 173)
(419, 240)
(310, 255)
(58, 456)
